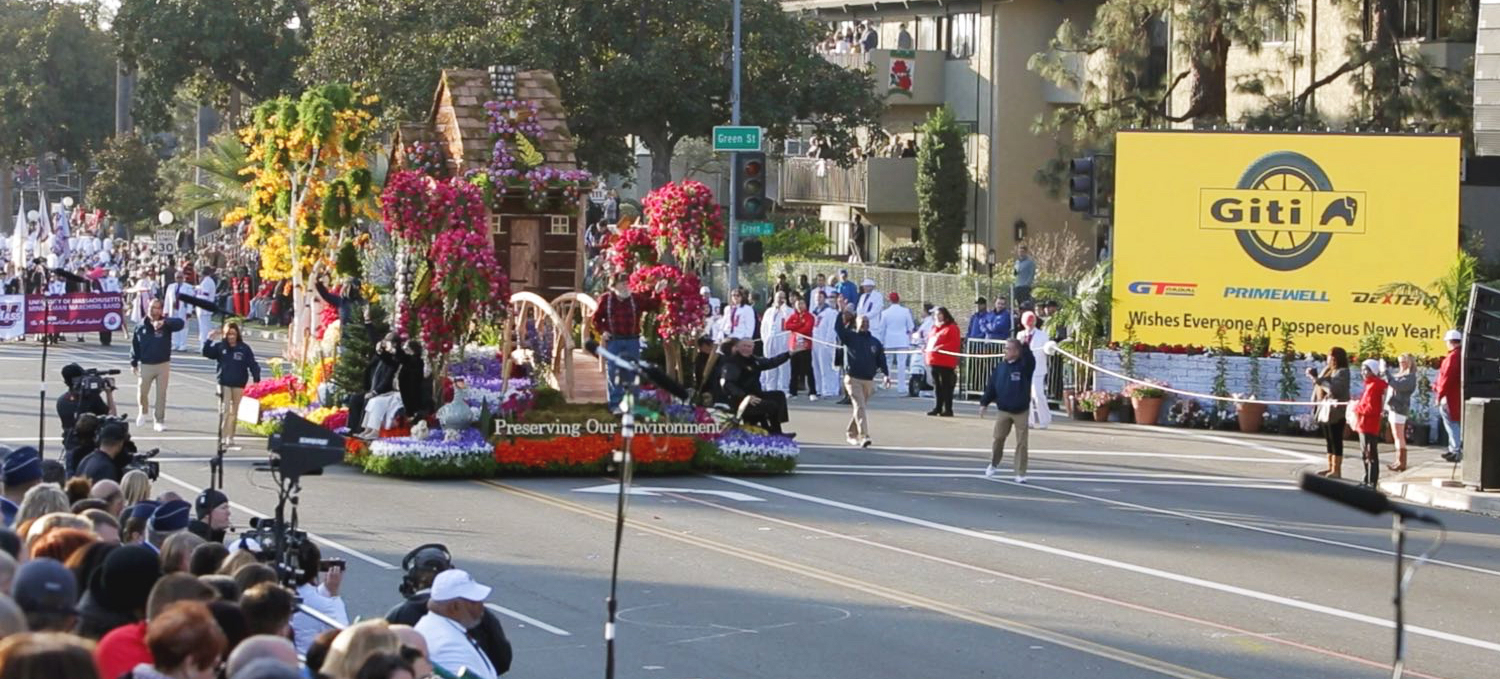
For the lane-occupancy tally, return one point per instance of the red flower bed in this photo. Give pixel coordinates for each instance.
(591, 454)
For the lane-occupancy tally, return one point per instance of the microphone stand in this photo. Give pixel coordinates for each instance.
(624, 459)
(1398, 535)
(216, 465)
(41, 413)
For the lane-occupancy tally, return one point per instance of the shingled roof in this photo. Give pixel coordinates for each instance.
(458, 119)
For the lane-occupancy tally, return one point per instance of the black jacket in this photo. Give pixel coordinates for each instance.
(95, 619)
(489, 634)
(235, 365)
(98, 466)
(740, 376)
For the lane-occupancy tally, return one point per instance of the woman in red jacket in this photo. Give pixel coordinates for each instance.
(942, 347)
(1367, 416)
(799, 328)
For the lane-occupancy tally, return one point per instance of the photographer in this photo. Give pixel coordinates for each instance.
(95, 396)
(322, 597)
(422, 565)
(109, 460)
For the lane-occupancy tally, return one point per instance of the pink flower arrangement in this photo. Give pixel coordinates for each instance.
(416, 207)
(685, 217)
(631, 249)
(683, 309)
(286, 384)
(469, 285)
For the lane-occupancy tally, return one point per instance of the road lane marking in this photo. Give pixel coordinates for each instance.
(1185, 433)
(528, 620)
(1230, 629)
(195, 490)
(653, 491)
(1069, 453)
(905, 598)
(1260, 484)
(1119, 565)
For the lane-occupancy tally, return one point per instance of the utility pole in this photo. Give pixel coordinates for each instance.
(734, 119)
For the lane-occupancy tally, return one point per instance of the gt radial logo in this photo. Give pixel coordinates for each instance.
(1165, 289)
(1284, 211)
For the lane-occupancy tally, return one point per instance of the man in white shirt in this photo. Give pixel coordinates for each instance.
(207, 290)
(176, 308)
(455, 608)
(774, 343)
(825, 336)
(896, 326)
(739, 317)
(871, 303)
(322, 597)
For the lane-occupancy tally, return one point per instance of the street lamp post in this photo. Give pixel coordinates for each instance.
(989, 260)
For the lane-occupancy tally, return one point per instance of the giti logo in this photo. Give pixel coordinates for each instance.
(1167, 289)
(1284, 210)
(1390, 298)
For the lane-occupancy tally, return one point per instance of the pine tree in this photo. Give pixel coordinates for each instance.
(942, 184)
(356, 352)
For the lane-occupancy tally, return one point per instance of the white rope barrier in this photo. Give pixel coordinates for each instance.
(1052, 348)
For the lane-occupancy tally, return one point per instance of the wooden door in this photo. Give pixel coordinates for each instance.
(525, 253)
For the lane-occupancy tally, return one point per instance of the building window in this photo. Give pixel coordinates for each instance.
(963, 30)
(1426, 19)
(926, 33)
(561, 225)
(1278, 26)
(497, 227)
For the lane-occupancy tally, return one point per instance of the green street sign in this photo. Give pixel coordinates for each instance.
(757, 229)
(736, 138)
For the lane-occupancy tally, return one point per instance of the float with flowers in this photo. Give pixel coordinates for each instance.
(453, 364)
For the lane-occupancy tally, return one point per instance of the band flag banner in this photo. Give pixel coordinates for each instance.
(12, 316)
(75, 312)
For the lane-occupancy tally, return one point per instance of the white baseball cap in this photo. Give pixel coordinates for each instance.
(1453, 336)
(457, 584)
(868, 281)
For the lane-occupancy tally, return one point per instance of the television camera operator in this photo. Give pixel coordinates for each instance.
(88, 391)
(117, 454)
(422, 565)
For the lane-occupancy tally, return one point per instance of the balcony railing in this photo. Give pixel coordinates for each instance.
(877, 185)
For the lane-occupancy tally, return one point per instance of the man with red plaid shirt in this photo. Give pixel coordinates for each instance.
(618, 322)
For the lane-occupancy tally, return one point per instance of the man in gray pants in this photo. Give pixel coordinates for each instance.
(1009, 389)
(151, 361)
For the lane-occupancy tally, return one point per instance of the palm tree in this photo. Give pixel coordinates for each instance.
(223, 189)
(1086, 315)
(1447, 298)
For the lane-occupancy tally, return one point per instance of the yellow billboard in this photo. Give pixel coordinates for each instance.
(1264, 231)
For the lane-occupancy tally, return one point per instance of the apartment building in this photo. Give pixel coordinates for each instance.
(971, 56)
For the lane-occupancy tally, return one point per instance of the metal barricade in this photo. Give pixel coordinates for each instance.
(974, 372)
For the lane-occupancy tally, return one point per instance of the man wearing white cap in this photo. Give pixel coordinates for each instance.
(456, 607)
(1448, 394)
(871, 303)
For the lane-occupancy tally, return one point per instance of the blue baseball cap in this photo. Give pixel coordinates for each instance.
(141, 510)
(171, 516)
(45, 586)
(8, 510)
(22, 465)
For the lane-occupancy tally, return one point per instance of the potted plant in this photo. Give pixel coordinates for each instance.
(1145, 399)
(1252, 416)
(1098, 403)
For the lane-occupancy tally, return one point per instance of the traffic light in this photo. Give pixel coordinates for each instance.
(1081, 184)
(752, 251)
(750, 187)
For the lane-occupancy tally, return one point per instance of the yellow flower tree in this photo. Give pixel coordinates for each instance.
(308, 179)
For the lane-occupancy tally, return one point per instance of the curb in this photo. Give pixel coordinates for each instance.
(1427, 493)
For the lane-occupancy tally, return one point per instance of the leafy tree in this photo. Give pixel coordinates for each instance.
(942, 185)
(56, 83)
(659, 70)
(397, 48)
(244, 47)
(1446, 298)
(224, 164)
(127, 185)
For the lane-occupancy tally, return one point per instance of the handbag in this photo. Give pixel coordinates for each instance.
(1325, 410)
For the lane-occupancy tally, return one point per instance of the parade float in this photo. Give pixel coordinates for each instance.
(477, 252)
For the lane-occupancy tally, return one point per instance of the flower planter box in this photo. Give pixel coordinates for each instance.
(1252, 416)
(1147, 409)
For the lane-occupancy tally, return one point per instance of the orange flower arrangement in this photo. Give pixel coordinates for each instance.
(589, 453)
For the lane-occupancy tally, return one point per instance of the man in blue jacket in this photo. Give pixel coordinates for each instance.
(1009, 389)
(863, 357)
(980, 320)
(151, 361)
(1000, 323)
(847, 289)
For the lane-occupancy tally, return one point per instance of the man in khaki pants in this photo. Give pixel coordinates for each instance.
(151, 361)
(863, 357)
(1009, 389)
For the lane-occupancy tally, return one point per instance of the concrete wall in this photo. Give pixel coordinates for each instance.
(1023, 28)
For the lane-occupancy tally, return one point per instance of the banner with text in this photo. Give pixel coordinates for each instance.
(77, 312)
(12, 316)
(1265, 232)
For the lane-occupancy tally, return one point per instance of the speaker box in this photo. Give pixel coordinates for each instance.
(1481, 427)
(1481, 357)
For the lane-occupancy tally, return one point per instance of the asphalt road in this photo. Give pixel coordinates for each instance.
(1132, 552)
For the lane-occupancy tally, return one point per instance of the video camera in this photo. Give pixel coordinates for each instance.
(135, 458)
(94, 381)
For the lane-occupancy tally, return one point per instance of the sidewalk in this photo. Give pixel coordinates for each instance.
(1421, 484)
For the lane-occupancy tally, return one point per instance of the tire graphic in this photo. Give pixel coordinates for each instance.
(1283, 250)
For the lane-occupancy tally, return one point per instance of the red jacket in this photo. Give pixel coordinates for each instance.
(944, 338)
(122, 649)
(1371, 403)
(1450, 382)
(800, 322)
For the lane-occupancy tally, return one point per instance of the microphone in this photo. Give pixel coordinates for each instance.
(1366, 500)
(652, 372)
